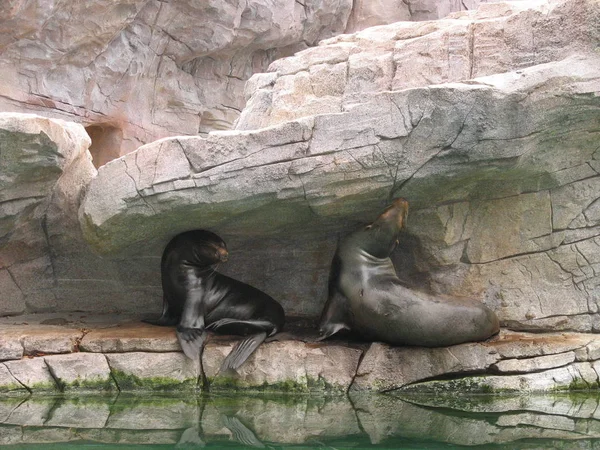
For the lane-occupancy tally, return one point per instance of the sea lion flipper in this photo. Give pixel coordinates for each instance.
(241, 432)
(192, 341)
(335, 316)
(242, 351)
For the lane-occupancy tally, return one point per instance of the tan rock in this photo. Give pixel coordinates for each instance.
(534, 364)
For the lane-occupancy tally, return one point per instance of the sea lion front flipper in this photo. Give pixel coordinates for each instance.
(241, 351)
(192, 341)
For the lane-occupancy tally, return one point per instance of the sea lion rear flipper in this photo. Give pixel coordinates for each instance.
(242, 351)
(192, 341)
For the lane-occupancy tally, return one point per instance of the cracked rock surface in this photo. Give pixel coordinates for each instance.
(134, 71)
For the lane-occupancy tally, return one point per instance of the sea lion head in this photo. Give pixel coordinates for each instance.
(208, 249)
(381, 237)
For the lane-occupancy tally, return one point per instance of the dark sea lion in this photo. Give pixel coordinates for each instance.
(197, 298)
(366, 296)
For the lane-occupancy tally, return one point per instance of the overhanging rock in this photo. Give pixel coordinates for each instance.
(491, 138)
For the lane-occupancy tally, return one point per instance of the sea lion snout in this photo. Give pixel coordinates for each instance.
(396, 213)
(400, 205)
(222, 254)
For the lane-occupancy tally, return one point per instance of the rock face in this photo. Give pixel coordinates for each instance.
(136, 70)
(497, 38)
(133, 71)
(45, 167)
(500, 170)
(45, 264)
(488, 131)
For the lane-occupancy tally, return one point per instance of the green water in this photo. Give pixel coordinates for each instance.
(357, 421)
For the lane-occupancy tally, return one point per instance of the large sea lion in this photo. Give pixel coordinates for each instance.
(197, 298)
(366, 296)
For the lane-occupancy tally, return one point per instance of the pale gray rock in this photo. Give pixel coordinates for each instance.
(32, 373)
(130, 337)
(33, 412)
(137, 71)
(576, 376)
(8, 383)
(383, 417)
(37, 154)
(457, 151)
(11, 435)
(315, 419)
(49, 435)
(116, 436)
(79, 414)
(7, 405)
(304, 367)
(83, 371)
(46, 265)
(146, 414)
(496, 38)
(547, 404)
(50, 340)
(384, 368)
(513, 345)
(10, 348)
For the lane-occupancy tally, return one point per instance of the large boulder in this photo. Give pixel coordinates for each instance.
(45, 166)
(45, 264)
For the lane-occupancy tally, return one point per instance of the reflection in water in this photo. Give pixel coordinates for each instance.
(267, 421)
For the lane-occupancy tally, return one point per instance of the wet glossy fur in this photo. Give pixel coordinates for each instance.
(197, 298)
(366, 296)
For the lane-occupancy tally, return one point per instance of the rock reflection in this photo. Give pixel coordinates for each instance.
(261, 421)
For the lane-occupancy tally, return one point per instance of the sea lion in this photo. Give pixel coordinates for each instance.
(197, 298)
(366, 296)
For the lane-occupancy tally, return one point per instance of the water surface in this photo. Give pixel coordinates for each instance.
(357, 421)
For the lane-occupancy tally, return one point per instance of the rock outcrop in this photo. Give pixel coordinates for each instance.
(496, 38)
(133, 71)
(45, 264)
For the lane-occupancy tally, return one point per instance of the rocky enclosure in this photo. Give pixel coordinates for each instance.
(501, 170)
(486, 121)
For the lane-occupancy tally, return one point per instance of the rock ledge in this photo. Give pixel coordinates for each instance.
(109, 353)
